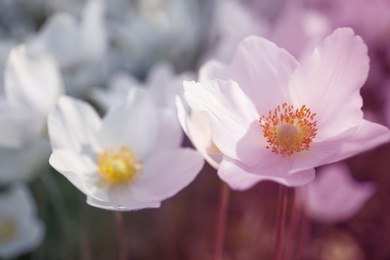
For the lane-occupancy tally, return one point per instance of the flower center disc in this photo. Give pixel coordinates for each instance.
(288, 130)
(8, 229)
(118, 166)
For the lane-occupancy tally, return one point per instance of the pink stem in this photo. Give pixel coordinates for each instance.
(221, 224)
(280, 222)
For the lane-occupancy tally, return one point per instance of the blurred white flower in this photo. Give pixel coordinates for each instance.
(78, 47)
(20, 230)
(129, 160)
(32, 85)
(162, 84)
(231, 23)
(334, 195)
(150, 31)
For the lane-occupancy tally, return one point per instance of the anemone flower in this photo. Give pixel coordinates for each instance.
(20, 230)
(334, 195)
(32, 85)
(275, 119)
(129, 160)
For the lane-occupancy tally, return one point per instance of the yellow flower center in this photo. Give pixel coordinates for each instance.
(118, 166)
(8, 229)
(288, 130)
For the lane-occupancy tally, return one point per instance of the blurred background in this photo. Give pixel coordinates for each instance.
(93, 45)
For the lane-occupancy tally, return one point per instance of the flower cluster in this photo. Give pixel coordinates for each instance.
(128, 99)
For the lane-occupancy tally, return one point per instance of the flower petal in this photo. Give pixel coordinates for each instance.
(344, 145)
(231, 113)
(32, 80)
(72, 166)
(240, 176)
(60, 38)
(334, 195)
(263, 72)
(92, 30)
(213, 70)
(73, 125)
(170, 134)
(197, 127)
(330, 80)
(132, 123)
(167, 173)
(126, 204)
(21, 163)
(19, 127)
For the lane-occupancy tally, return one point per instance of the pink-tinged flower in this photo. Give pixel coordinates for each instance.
(20, 230)
(275, 119)
(334, 195)
(32, 85)
(130, 160)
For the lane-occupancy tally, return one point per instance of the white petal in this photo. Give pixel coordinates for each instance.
(60, 37)
(73, 166)
(19, 127)
(132, 123)
(330, 80)
(23, 162)
(170, 134)
(213, 70)
(32, 80)
(197, 127)
(231, 113)
(167, 173)
(263, 72)
(92, 30)
(73, 125)
(126, 204)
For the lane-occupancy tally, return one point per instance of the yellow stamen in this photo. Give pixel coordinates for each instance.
(8, 229)
(118, 167)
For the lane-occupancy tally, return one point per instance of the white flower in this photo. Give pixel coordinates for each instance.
(161, 83)
(32, 85)
(149, 31)
(20, 230)
(129, 160)
(78, 47)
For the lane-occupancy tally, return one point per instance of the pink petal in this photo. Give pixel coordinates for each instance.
(334, 195)
(263, 72)
(329, 82)
(240, 176)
